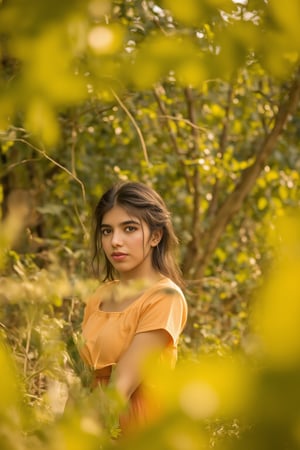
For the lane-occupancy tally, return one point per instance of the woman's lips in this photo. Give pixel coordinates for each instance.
(118, 256)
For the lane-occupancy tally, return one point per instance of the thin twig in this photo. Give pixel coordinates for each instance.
(222, 148)
(24, 161)
(124, 107)
(188, 94)
(27, 347)
(73, 145)
(80, 221)
(172, 135)
(43, 153)
(36, 373)
(181, 119)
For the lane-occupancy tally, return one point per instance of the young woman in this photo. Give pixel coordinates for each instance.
(139, 308)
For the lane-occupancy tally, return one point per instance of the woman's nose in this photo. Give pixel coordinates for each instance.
(116, 239)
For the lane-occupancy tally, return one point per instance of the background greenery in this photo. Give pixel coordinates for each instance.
(201, 101)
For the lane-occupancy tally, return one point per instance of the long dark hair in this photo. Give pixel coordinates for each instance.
(146, 204)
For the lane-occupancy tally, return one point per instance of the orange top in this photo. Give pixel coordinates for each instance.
(107, 335)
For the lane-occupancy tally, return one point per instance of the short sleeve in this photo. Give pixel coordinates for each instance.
(167, 310)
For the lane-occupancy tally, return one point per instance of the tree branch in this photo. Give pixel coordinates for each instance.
(196, 175)
(140, 134)
(222, 147)
(188, 93)
(172, 135)
(181, 119)
(56, 163)
(234, 201)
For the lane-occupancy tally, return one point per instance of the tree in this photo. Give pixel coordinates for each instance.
(200, 100)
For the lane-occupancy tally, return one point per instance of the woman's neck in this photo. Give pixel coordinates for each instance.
(143, 280)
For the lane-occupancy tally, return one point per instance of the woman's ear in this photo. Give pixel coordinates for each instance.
(156, 237)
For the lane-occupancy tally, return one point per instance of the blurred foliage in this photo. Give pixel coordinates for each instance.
(244, 399)
(201, 101)
(100, 46)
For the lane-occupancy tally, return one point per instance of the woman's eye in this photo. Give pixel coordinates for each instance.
(105, 231)
(130, 228)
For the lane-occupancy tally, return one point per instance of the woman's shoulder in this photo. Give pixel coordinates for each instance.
(164, 288)
(169, 286)
(163, 307)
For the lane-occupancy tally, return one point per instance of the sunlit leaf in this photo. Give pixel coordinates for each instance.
(262, 203)
(278, 308)
(9, 385)
(41, 121)
(189, 13)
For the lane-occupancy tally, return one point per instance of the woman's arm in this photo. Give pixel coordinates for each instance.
(128, 369)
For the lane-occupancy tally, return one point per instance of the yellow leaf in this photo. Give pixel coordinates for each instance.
(220, 254)
(271, 175)
(262, 203)
(42, 122)
(189, 11)
(217, 111)
(283, 192)
(8, 386)
(242, 257)
(277, 313)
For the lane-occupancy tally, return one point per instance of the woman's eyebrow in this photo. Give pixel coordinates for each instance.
(126, 222)
(130, 222)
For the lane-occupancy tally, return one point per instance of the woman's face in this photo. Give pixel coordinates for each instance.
(128, 243)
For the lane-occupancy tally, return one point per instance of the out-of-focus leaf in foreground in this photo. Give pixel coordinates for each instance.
(277, 312)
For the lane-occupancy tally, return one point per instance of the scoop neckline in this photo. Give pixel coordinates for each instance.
(164, 278)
